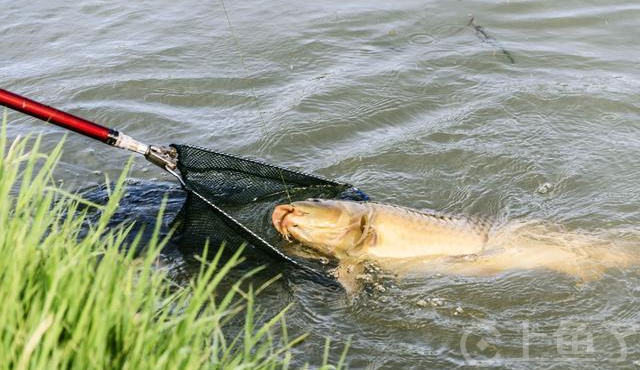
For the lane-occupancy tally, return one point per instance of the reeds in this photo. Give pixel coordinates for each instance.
(78, 300)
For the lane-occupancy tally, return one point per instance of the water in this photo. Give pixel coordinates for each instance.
(402, 99)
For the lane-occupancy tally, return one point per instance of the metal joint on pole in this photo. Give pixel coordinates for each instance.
(163, 156)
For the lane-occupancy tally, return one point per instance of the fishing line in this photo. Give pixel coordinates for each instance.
(286, 188)
(484, 36)
(253, 92)
(244, 66)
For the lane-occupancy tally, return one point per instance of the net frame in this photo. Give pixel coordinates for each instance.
(218, 182)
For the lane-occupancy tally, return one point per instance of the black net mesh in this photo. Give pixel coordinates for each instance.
(231, 198)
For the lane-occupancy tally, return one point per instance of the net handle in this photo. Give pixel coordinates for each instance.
(57, 117)
(161, 156)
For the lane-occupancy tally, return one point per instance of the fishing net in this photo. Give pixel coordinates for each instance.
(230, 199)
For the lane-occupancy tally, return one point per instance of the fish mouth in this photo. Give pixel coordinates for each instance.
(277, 218)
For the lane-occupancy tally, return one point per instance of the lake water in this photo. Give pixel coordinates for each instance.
(535, 115)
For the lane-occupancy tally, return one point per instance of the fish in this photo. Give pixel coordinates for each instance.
(402, 239)
(347, 228)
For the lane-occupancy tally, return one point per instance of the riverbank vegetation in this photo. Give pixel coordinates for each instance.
(74, 298)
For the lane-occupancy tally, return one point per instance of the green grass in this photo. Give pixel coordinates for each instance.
(81, 301)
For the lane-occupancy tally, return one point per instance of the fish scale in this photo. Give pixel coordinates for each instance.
(403, 233)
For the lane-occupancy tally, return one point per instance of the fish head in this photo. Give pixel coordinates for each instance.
(331, 227)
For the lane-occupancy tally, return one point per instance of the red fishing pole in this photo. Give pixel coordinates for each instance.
(162, 156)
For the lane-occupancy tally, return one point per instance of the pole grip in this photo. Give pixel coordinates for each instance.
(58, 117)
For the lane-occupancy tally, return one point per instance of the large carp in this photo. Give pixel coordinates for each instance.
(400, 238)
